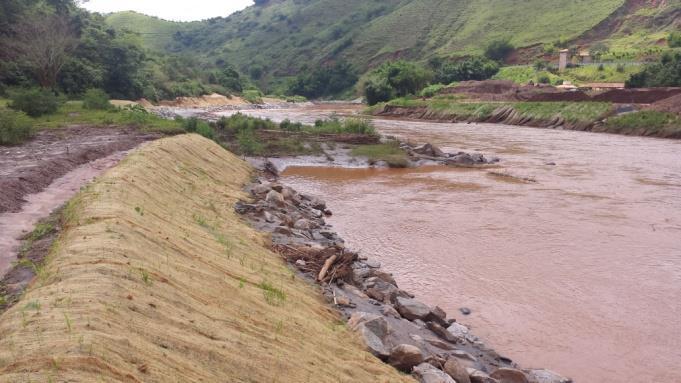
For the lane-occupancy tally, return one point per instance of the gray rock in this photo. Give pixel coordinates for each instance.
(382, 291)
(375, 323)
(460, 159)
(427, 373)
(260, 189)
(390, 311)
(440, 344)
(546, 376)
(429, 150)
(277, 187)
(373, 264)
(464, 355)
(456, 370)
(274, 197)
(269, 217)
(301, 263)
(303, 224)
(509, 375)
(411, 309)
(318, 204)
(386, 277)
(405, 356)
(443, 333)
(373, 343)
(477, 376)
(458, 330)
(465, 311)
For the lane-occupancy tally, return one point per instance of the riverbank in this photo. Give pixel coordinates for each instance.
(154, 250)
(601, 117)
(395, 327)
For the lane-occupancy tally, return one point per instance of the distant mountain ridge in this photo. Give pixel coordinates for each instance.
(284, 36)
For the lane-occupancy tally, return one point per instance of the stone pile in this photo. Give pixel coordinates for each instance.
(430, 153)
(397, 328)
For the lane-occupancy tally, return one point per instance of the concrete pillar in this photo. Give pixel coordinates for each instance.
(563, 60)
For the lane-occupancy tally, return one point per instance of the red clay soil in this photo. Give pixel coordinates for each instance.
(31, 167)
(669, 105)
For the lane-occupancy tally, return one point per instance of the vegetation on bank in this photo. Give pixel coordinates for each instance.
(665, 72)
(247, 135)
(575, 112)
(651, 122)
(389, 152)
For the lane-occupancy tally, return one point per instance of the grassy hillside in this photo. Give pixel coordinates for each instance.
(156, 279)
(156, 34)
(283, 36)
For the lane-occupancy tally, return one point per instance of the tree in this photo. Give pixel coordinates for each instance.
(43, 44)
(395, 79)
(474, 68)
(674, 40)
(666, 72)
(498, 50)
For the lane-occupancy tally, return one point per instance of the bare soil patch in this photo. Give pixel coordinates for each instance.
(31, 167)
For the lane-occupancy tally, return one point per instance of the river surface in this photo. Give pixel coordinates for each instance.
(578, 272)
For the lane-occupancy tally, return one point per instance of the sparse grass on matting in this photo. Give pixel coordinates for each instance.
(184, 292)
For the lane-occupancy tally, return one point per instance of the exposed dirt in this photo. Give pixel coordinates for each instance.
(204, 101)
(669, 105)
(31, 167)
(34, 248)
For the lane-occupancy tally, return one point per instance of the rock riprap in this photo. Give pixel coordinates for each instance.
(394, 325)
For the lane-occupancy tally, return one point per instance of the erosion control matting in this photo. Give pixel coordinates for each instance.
(155, 279)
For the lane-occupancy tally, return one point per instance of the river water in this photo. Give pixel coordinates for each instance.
(578, 272)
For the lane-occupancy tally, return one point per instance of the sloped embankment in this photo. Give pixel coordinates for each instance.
(155, 279)
(587, 116)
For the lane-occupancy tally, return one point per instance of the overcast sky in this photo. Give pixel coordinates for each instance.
(178, 10)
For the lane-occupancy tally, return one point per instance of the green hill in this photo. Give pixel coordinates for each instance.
(156, 34)
(284, 36)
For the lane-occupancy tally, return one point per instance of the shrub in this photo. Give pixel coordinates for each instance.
(498, 50)
(474, 68)
(290, 126)
(674, 40)
(35, 102)
(248, 142)
(543, 79)
(240, 122)
(431, 90)
(377, 89)
(254, 96)
(395, 79)
(96, 99)
(15, 127)
(324, 81)
(666, 72)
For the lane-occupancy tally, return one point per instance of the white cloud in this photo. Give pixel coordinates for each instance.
(177, 10)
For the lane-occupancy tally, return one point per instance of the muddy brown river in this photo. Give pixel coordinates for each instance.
(579, 272)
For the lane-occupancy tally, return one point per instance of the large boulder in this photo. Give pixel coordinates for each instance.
(459, 331)
(509, 375)
(477, 376)
(373, 343)
(275, 198)
(427, 373)
(405, 356)
(456, 370)
(429, 150)
(376, 323)
(546, 376)
(460, 159)
(411, 309)
(443, 333)
(381, 291)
